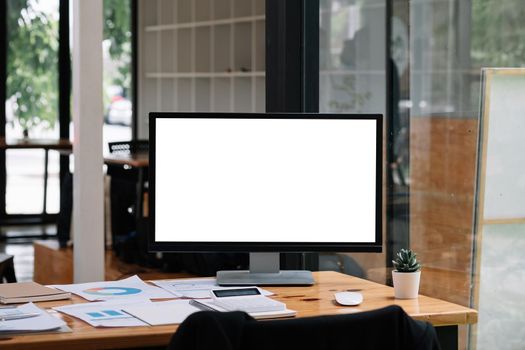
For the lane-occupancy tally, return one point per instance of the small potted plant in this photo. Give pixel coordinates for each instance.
(406, 274)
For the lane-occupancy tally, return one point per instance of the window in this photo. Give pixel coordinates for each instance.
(31, 103)
(118, 109)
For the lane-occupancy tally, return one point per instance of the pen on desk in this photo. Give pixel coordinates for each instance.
(201, 306)
(17, 317)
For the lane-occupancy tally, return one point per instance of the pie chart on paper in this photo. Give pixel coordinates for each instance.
(112, 291)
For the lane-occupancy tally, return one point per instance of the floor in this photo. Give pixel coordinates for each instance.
(19, 243)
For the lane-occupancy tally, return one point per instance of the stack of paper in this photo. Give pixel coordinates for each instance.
(209, 305)
(41, 323)
(24, 292)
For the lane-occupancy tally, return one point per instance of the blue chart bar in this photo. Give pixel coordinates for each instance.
(112, 313)
(95, 314)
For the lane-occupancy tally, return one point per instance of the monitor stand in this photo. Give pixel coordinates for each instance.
(264, 271)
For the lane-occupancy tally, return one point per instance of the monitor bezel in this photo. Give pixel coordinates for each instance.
(155, 246)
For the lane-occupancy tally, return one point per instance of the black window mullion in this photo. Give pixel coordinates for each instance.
(310, 42)
(3, 92)
(64, 83)
(283, 57)
(397, 196)
(134, 69)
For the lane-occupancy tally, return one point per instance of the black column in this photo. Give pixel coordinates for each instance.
(397, 142)
(292, 56)
(64, 83)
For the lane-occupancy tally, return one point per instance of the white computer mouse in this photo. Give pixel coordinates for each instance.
(349, 298)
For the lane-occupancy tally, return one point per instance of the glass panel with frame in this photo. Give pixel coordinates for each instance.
(352, 79)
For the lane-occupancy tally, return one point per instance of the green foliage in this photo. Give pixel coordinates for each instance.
(406, 261)
(353, 100)
(32, 73)
(32, 58)
(117, 29)
(497, 33)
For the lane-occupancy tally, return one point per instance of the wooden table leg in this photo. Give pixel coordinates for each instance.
(46, 163)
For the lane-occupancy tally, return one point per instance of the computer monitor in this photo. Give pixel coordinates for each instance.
(265, 184)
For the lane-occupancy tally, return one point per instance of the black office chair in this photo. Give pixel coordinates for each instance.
(7, 268)
(129, 147)
(388, 328)
(340, 262)
(128, 235)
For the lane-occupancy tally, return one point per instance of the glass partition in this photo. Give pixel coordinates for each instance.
(430, 92)
(450, 41)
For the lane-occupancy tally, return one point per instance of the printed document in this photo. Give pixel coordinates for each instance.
(131, 287)
(195, 288)
(41, 323)
(106, 313)
(162, 312)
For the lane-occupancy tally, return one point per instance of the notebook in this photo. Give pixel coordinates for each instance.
(25, 292)
(209, 305)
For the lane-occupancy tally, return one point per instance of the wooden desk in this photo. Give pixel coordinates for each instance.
(46, 145)
(138, 160)
(308, 301)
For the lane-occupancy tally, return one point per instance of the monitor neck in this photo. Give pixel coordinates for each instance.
(264, 270)
(264, 262)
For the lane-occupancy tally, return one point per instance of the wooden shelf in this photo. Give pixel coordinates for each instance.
(202, 56)
(343, 72)
(215, 22)
(206, 75)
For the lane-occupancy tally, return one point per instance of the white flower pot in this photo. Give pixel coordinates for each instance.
(406, 284)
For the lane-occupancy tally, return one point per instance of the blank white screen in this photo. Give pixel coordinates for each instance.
(265, 180)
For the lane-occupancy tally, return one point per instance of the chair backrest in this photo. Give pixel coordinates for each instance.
(387, 328)
(7, 269)
(129, 147)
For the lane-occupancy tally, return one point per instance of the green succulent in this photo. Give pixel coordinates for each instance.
(406, 261)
